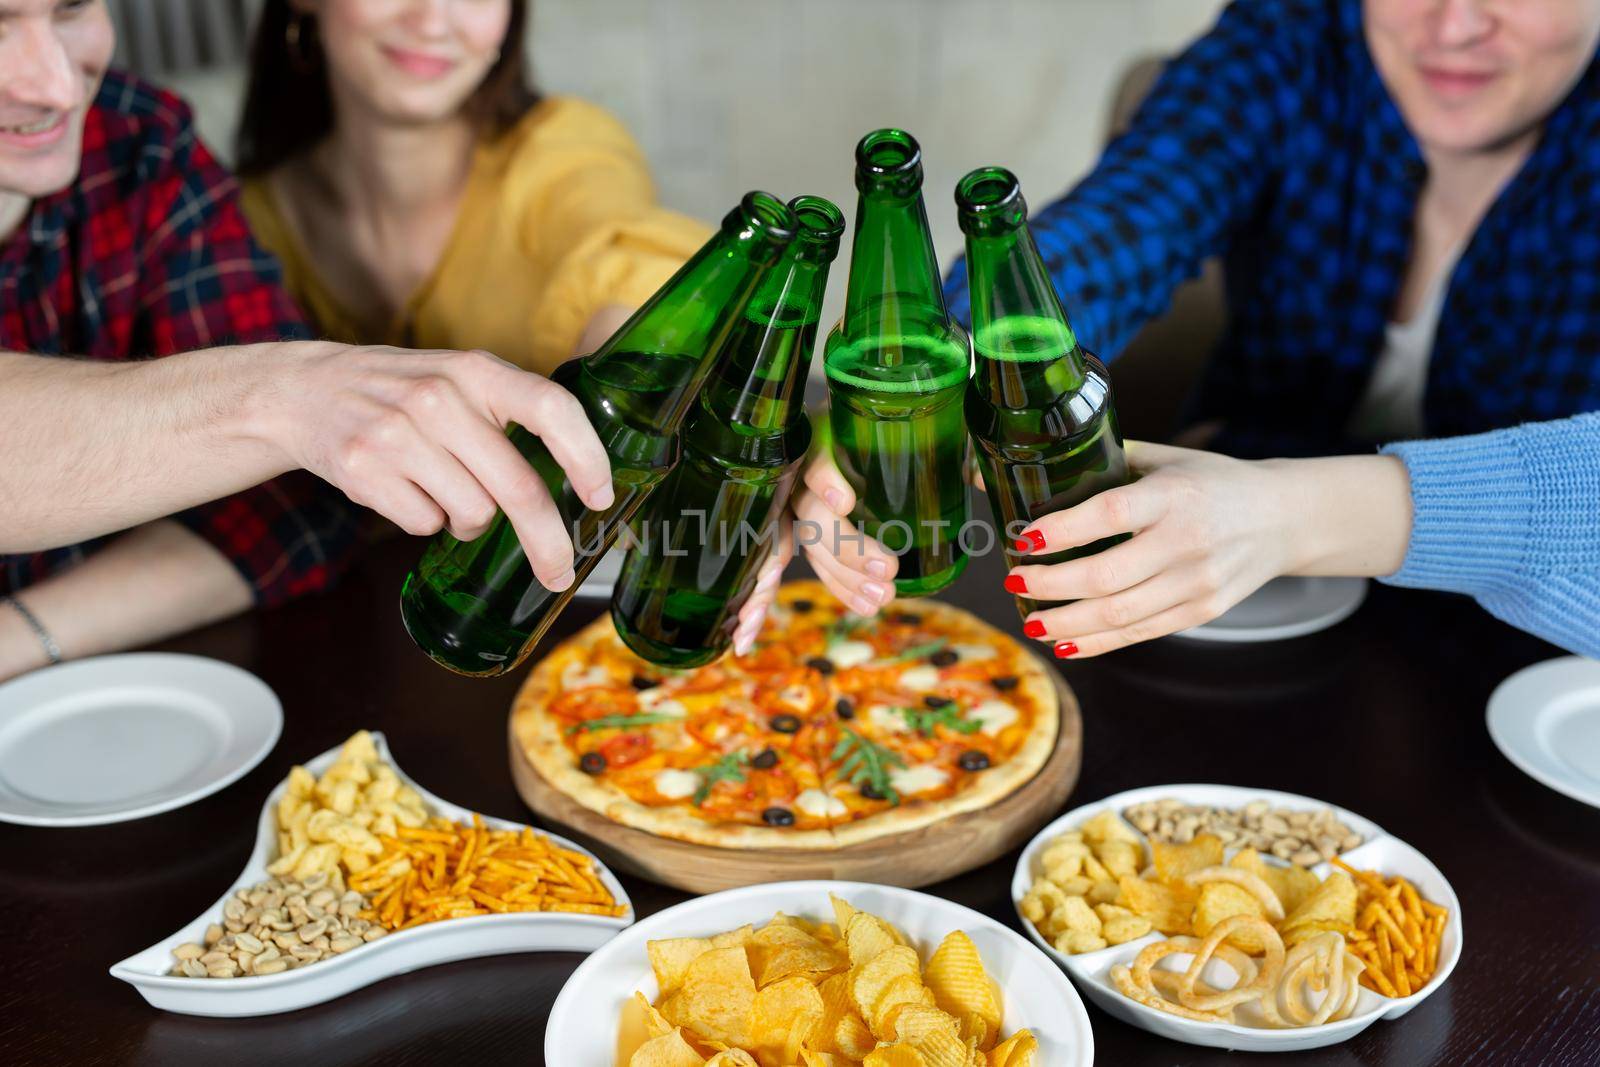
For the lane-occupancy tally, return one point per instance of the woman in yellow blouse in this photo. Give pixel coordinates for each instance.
(420, 193)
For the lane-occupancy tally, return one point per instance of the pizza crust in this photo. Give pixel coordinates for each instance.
(539, 735)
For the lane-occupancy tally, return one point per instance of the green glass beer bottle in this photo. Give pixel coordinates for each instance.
(1039, 406)
(706, 532)
(897, 368)
(475, 607)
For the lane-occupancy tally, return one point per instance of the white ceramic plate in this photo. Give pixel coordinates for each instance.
(402, 951)
(1379, 852)
(1546, 719)
(583, 1027)
(120, 737)
(1285, 608)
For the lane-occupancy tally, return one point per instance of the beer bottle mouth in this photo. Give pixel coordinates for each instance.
(764, 219)
(989, 201)
(889, 160)
(819, 226)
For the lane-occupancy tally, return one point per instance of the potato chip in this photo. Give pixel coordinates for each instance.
(716, 996)
(670, 958)
(866, 937)
(1333, 901)
(785, 996)
(783, 1017)
(842, 911)
(1169, 908)
(730, 938)
(836, 1004)
(941, 1048)
(978, 1031)
(655, 1024)
(1172, 862)
(894, 1056)
(733, 1057)
(1291, 883)
(871, 979)
(1222, 900)
(668, 1050)
(903, 989)
(1106, 827)
(780, 950)
(852, 1038)
(960, 985)
(1015, 1051)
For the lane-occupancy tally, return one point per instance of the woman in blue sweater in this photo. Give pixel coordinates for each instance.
(1406, 197)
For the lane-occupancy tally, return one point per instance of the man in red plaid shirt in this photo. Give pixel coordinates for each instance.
(140, 497)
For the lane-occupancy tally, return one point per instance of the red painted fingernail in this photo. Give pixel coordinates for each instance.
(1030, 541)
(1015, 584)
(1033, 628)
(1065, 649)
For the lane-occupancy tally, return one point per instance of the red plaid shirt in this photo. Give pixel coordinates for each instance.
(147, 254)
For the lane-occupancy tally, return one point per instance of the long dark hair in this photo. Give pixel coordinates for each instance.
(288, 107)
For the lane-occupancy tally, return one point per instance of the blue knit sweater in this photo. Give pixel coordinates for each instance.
(1512, 518)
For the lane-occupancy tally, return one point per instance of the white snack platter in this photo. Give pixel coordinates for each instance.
(1380, 852)
(583, 1027)
(399, 952)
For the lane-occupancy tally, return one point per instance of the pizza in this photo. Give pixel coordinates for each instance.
(831, 731)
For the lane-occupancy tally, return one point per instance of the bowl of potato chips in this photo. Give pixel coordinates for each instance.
(358, 873)
(818, 974)
(1203, 937)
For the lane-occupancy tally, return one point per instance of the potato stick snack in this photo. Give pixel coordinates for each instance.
(1397, 934)
(448, 870)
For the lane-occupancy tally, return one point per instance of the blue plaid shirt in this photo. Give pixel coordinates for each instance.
(1273, 142)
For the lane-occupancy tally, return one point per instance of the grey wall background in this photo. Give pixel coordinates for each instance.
(731, 95)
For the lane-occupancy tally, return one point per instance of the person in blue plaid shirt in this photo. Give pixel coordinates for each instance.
(1406, 198)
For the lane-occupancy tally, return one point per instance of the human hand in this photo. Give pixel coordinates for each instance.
(853, 567)
(418, 436)
(754, 611)
(1208, 531)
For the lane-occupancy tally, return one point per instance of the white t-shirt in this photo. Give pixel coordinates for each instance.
(1391, 408)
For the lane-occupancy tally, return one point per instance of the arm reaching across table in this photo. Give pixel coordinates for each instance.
(414, 435)
(1507, 517)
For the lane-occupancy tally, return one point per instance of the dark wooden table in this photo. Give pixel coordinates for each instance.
(1382, 714)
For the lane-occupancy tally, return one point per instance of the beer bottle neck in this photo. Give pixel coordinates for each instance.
(894, 287)
(1026, 351)
(759, 380)
(661, 356)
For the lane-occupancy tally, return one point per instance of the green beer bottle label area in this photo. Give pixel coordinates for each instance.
(897, 369)
(475, 607)
(1039, 408)
(712, 524)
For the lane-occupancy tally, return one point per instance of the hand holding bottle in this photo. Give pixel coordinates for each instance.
(1207, 531)
(419, 437)
(855, 568)
(754, 611)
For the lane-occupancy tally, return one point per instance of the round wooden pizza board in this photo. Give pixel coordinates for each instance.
(915, 858)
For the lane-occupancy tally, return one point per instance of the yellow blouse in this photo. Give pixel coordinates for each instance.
(559, 220)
